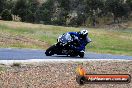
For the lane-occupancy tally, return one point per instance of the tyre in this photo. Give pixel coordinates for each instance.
(80, 80)
(50, 51)
(73, 54)
(81, 54)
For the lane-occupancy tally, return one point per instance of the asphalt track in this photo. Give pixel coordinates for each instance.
(28, 54)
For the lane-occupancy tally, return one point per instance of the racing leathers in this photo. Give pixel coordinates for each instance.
(82, 41)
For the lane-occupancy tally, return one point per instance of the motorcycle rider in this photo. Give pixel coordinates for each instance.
(80, 37)
(70, 43)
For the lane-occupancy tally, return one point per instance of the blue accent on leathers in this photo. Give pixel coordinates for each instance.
(83, 42)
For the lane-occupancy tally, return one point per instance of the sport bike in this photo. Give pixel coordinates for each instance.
(63, 47)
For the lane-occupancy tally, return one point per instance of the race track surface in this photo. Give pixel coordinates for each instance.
(26, 54)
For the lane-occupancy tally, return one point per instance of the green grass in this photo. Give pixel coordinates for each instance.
(2, 69)
(115, 42)
(103, 41)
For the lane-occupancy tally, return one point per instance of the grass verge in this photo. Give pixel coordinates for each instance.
(26, 35)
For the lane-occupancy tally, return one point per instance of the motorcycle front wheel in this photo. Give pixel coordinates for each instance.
(50, 50)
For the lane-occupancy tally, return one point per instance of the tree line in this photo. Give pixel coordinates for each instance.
(67, 12)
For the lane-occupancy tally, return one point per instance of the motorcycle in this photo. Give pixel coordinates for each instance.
(62, 47)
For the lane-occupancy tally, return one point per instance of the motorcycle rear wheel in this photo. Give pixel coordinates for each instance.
(81, 54)
(73, 55)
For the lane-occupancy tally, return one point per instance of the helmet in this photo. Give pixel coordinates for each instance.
(83, 33)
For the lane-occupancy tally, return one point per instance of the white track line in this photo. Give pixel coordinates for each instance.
(56, 60)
